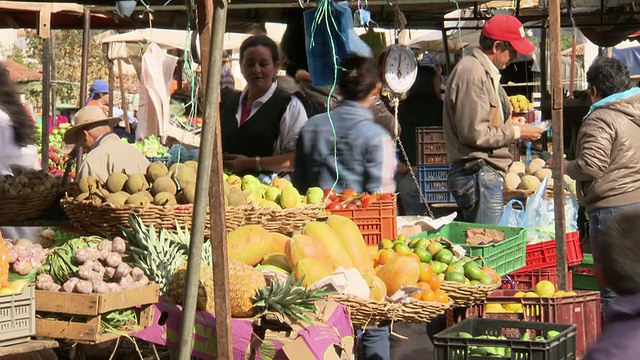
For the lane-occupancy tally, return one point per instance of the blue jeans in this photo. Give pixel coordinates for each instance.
(375, 343)
(598, 220)
(409, 195)
(478, 195)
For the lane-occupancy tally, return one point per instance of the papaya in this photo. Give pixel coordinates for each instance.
(377, 288)
(303, 246)
(399, 272)
(330, 242)
(312, 270)
(278, 242)
(353, 242)
(249, 244)
(278, 260)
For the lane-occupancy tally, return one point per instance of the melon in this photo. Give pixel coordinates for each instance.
(511, 181)
(529, 182)
(517, 168)
(543, 173)
(535, 165)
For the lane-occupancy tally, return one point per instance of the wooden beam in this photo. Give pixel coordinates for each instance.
(123, 99)
(558, 141)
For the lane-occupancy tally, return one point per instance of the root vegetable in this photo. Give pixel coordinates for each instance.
(114, 287)
(36, 249)
(44, 282)
(84, 272)
(35, 263)
(122, 270)
(83, 287)
(70, 284)
(126, 282)
(22, 267)
(118, 245)
(144, 281)
(13, 256)
(81, 256)
(109, 272)
(100, 287)
(103, 255)
(113, 260)
(98, 268)
(27, 244)
(21, 251)
(94, 254)
(56, 288)
(105, 245)
(137, 273)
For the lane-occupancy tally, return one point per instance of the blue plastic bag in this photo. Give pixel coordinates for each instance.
(512, 217)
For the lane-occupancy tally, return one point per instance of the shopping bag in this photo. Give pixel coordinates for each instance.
(512, 217)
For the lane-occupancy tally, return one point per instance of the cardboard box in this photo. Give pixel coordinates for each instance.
(267, 337)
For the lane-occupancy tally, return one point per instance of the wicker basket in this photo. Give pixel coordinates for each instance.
(466, 295)
(30, 206)
(107, 219)
(370, 312)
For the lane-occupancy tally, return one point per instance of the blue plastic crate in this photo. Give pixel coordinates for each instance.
(433, 183)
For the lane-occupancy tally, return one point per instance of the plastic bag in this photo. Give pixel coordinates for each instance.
(539, 214)
(511, 216)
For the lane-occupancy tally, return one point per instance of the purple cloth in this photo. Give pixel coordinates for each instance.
(621, 335)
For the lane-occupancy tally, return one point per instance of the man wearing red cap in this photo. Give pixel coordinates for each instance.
(475, 120)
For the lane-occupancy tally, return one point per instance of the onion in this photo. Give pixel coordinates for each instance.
(70, 284)
(119, 245)
(113, 260)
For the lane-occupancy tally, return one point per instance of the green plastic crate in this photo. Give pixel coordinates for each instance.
(448, 345)
(504, 257)
(583, 276)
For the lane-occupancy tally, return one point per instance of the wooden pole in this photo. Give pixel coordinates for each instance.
(572, 72)
(543, 60)
(46, 104)
(84, 71)
(111, 81)
(558, 141)
(209, 168)
(123, 99)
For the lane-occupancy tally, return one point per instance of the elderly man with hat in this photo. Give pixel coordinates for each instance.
(475, 120)
(93, 131)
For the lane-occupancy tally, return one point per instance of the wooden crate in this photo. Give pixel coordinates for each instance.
(91, 307)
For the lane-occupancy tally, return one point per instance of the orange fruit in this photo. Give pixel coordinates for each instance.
(417, 296)
(441, 296)
(373, 252)
(425, 272)
(434, 281)
(386, 255)
(423, 284)
(428, 295)
(415, 257)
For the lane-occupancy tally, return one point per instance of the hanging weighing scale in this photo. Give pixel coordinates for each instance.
(398, 68)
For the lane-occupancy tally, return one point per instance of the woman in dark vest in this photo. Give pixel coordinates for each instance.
(260, 125)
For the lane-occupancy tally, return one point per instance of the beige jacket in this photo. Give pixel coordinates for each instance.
(474, 126)
(606, 167)
(110, 154)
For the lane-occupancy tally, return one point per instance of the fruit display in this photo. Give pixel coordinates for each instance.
(529, 177)
(159, 186)
(58, 150)
(89, 265)
(25, 182)
(520, 103)
(350, 199)
(151, 147)
(279, 194)
(499, 351)
(543, 289)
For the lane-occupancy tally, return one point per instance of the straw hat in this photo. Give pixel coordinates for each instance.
(88, 115)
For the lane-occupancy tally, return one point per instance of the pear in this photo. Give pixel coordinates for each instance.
(164, 184)
(156, 170)
(136, 182)
(115, 182)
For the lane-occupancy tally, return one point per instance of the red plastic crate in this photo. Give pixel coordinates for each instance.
(527, 280)
(543, 255)
(582, 309)
(376, 222)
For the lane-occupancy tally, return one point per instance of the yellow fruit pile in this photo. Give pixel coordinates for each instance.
(520, 103)
(543, 289)
(279, 194)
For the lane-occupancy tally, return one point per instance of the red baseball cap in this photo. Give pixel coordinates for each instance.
(509, 29)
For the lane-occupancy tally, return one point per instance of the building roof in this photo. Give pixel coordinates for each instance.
(20, 73)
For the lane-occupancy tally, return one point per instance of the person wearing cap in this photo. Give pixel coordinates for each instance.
(99, 94)
(92, 130)
(475, 121)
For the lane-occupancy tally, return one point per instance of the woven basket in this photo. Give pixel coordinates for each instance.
(370, 312)
(467, 295)
(30, 206)
(107, 219)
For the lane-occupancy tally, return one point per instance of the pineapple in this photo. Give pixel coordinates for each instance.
(244, 282)
(205, 287)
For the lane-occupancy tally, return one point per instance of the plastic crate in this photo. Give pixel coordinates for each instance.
(426, 134)
(582, 309)
(543, 255)
(18, 316)
(376, 222)
(504, 257)
(526, 280)
(433, 183)
(584, 277)
(448, 346)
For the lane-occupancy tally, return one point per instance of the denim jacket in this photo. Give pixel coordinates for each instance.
(366, 159)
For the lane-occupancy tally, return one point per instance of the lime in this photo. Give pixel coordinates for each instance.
(473, 272)
(444, 256)
(438, 267)
(545, 288)
(423, 254)
(423, 244)
(385, 244)
(552, 334)
(465, 260)
(403, 238)
(455, 276)
(401, 248)
(434, 247)
(455, 268)
(465, 335)
(413, 242)
(475, 282)
(486, 280)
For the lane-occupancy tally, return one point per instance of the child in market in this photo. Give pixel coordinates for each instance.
(619, 271)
